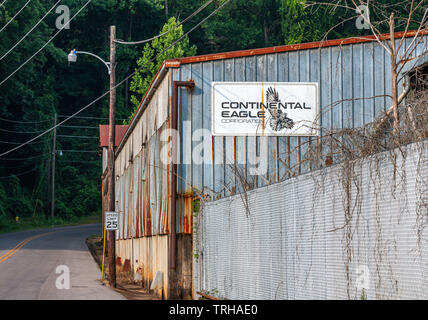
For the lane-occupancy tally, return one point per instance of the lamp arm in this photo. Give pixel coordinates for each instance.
(107, 64)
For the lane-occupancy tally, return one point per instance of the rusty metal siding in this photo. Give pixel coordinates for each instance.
(188, 116)
(197, 122)
(343, 73)
(205, 87)
(143, 188)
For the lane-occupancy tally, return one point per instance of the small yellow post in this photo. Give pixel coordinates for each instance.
(104, 253)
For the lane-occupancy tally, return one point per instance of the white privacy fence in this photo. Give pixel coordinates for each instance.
(354, 231)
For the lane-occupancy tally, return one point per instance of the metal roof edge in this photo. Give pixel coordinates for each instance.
(144, 102)
(293, 47)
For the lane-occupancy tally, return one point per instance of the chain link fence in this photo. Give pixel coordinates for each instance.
(355, 230)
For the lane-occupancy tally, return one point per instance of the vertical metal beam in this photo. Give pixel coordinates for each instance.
(110, 164)
(174, 126)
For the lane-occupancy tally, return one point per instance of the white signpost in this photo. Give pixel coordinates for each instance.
(265, 108)
(111, 221)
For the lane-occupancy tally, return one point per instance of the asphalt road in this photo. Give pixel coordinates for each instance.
(29, 262)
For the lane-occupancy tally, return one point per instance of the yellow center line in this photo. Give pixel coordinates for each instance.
(12, 251)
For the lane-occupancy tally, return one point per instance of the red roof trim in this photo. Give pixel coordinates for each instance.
(292, 47)
(120, 132)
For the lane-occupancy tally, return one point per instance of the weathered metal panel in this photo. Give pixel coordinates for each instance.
(208, 168)
(368, 77)
(356, 70)
(315, 76)
(185, 127)
(357, 116)
(283, 164)
(126, 205)
(165, 192)
(261, 142)
(379, 81)
(147, 255)
(304, 76)
(229, 142)
(153, 189)
(197, 124)
(343, 72)
(337, 87)
(184, 169)
(272, 157)
(143, 184)
(250, 75)
(294, 76)
(135, 190)
(240, 142)
(348, 75)
(218, 75)
(121, 206)
(143, 191)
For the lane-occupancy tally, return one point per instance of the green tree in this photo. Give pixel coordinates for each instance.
(242, 24)
(142, 78)
(294, 20)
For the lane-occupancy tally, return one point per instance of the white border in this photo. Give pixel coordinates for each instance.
(315, 134)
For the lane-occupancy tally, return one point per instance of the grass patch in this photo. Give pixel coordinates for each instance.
(28, 223)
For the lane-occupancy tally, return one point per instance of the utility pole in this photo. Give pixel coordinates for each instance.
(110, 164)
(53, 168)
(48, 183)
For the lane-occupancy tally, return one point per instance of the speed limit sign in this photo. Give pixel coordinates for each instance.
(112, 220)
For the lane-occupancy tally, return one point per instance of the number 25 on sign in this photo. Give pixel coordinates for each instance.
(111, 220)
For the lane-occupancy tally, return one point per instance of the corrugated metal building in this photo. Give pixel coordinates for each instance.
(146, 180)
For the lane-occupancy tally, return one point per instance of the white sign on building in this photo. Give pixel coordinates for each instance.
(111, 220)
(265, 108)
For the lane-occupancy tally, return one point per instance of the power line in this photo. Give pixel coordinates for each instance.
(87, 151)
(27, 158)
(79, 127)
(78, 161)
(8, 142)
(25, 122)
(49, 41)
(168, 31)
(13, 18)
(95, 118)
(68, 136)
(18, 174)
(118, 84)
(16, 167)
(13, 131)
(30, 30)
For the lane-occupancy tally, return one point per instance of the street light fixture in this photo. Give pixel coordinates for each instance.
(72, 57)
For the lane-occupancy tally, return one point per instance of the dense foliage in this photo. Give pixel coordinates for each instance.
(154, 54)
(47, 84)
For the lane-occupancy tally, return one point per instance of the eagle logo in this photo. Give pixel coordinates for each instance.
(278, 120)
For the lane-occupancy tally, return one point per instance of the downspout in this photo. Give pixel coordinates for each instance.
(174, 126)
